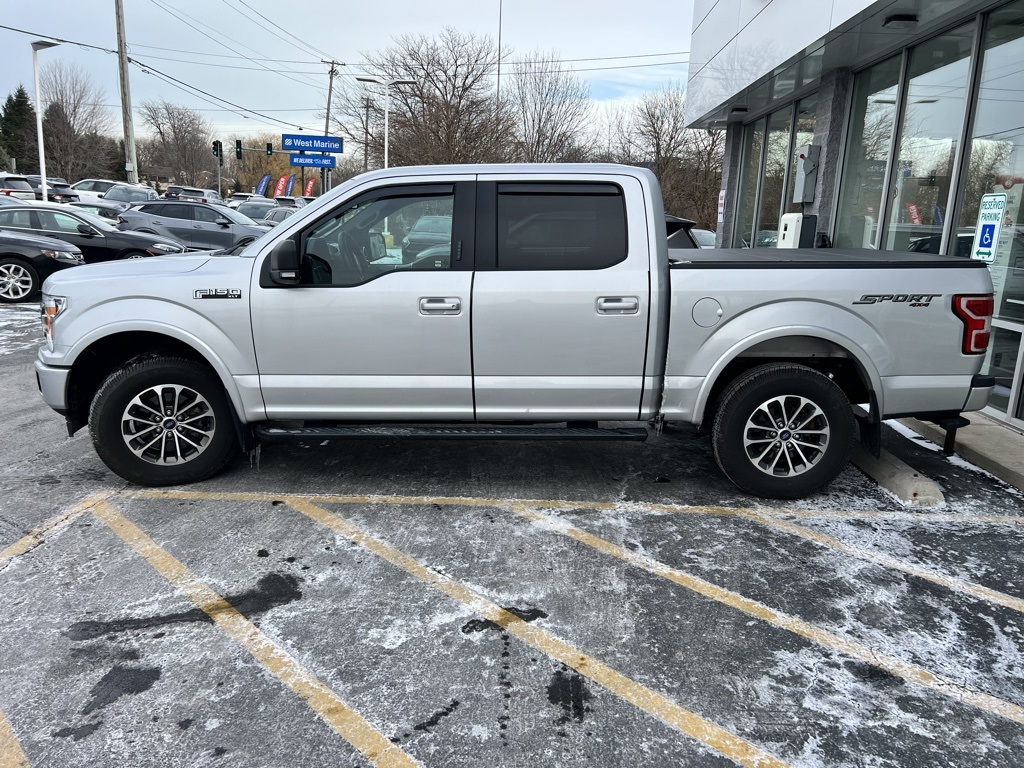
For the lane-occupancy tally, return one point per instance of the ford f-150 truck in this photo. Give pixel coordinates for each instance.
(550, 304)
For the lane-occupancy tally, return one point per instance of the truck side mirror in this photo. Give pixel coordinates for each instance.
(284, 264)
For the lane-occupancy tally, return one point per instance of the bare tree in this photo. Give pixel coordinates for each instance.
(449, 114)
(551, 107)
(181, 140)
(75, 122)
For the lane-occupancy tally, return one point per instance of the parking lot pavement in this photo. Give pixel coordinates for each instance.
(302, 630)
(458, 604)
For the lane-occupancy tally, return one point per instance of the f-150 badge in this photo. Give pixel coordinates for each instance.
(217, 293)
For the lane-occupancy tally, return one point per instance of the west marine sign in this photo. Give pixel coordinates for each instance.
(298, 141)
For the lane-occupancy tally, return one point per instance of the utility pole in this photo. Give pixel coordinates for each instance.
(366, 125)
(326, 177)
(131, 165)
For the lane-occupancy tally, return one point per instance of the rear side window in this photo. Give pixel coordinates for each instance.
(560, 226)
(20, 219)
(19, 184)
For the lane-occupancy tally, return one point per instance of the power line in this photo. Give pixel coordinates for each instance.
(302, 42)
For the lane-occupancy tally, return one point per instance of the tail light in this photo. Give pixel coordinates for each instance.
(975, 312)
(120, 219)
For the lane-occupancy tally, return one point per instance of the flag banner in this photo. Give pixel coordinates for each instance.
(291, 185)
(261, 188)
(279, 187)
(309, 187)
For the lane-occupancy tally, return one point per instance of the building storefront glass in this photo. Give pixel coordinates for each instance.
(753, 141)
(773, 178)
(933, 116)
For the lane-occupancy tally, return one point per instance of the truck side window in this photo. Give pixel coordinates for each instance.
(579, 228)
(377, 236)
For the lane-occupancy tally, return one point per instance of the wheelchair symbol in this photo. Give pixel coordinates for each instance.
(987, 235)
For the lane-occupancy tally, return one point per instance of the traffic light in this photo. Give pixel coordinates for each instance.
(238, 148)
(270, 148)
(216, 148)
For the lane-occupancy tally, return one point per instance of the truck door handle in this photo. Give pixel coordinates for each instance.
(618, 305)
(440, 306)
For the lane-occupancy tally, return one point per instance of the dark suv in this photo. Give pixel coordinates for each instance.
(198, 226)
(57, 190)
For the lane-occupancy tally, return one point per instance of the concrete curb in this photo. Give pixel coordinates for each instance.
(986, 443)
(907, 484)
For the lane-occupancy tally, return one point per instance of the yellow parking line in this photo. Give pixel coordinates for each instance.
(715, 737)
(52, 526)
(11, 755)
(601, 506)
(890, 664)
(348, 723)
(887, 561)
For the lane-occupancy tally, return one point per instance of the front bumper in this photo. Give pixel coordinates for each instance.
(53, 385)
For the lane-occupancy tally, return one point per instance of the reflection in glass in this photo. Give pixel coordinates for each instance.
(806, 109)
(773, 178)
(928, 139)
(874, 110)
(996, 160)
(753, 139)
(1001, 362)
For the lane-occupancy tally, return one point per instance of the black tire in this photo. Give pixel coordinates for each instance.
(19, 280)
(134, 255)
(810, 448)
(191, 439)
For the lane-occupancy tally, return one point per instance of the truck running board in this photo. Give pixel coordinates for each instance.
(468, 432)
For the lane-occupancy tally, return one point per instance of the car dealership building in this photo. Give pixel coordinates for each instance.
(896, 123)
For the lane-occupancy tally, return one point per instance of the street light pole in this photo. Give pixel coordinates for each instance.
(40, 45)
(387, 103)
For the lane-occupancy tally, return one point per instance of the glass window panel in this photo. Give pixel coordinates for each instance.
(996, 156)
(931, 127)
(806, 110)
(874, 110)
(773, 178)
(1001, 362)
(753, 140)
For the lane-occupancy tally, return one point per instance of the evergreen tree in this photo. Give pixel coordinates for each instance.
(18, 131)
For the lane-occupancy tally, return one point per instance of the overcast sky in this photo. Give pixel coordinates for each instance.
(218, 44)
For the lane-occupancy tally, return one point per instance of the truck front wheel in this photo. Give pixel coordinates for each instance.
(782, 431)
(162, 421)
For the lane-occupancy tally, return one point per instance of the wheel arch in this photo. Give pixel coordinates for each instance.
(103, 355)
(836, 356)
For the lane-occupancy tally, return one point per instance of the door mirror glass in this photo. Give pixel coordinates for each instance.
(85, 229)
(223, 222)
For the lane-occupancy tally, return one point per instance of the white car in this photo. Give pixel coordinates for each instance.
(93, 189)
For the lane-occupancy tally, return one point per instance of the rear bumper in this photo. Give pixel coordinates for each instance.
(981, 389)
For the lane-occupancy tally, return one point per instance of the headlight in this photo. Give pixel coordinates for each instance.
(67, 256)
(50, 308)
(164, 248)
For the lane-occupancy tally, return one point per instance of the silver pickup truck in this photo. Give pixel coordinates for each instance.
(531, 302)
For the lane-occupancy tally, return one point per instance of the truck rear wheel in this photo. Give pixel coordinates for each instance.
(162, 421)
(782, 431)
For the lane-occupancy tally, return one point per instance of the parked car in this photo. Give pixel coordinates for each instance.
(276, 215)
(705, 237)
(57, 190)
(289, 201)
(198, 226)
(8, 200)
(309, 198)
(172, 192)
(130, 193)
(13, 185)
(257, 208)
(96, 238)
(678, 231)
(235, 199)
(200, 195)
(107, 209)
(92, 189)
(426, 232)
(26, 261)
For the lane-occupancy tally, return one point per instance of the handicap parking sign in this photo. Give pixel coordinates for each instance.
(988, 235)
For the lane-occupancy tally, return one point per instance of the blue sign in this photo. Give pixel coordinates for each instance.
(297, 141)
(988, 235)
(312, 161)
